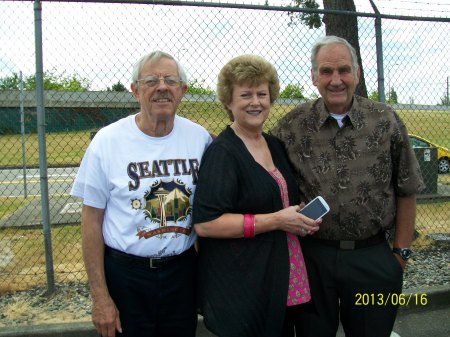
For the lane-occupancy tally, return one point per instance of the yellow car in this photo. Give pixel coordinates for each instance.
(443, 154)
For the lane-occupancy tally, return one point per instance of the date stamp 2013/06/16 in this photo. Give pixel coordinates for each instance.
(366, 299)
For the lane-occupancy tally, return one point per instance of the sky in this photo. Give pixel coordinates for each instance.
(102, 41)
(428, 8)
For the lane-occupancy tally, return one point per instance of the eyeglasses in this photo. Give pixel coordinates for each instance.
(152, 81)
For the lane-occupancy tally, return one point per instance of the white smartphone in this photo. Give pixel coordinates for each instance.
(316, 208)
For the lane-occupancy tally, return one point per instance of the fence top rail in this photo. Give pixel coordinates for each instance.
(267, 7)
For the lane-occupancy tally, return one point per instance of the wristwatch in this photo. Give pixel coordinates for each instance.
(405, 253)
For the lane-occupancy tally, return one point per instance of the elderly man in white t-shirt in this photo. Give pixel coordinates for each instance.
(137, 180)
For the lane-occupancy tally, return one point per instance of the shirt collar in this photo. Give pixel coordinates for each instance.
(324, 115)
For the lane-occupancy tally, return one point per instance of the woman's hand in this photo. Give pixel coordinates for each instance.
(294, 222)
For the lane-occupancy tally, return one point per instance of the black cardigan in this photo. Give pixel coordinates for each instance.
(243, 283)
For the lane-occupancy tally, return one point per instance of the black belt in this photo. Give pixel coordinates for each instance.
(353, 244)
(150, 262)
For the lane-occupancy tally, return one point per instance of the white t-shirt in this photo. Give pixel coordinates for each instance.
(145, 184)
(339, 118)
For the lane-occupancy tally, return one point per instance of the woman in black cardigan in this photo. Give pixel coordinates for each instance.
(252, 278)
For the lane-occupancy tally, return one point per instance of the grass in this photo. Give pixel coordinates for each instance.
(67, 148)
(431, 218)
(444, 179)
(433, 125)
(63, 148)
(25, 250)
(10, 205)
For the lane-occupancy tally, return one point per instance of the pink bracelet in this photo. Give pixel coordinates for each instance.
(249, 226)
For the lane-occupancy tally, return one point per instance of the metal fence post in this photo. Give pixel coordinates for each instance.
(22, 132)
(42, 148)
(379, 49)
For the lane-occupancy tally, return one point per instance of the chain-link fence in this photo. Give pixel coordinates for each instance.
(88, 50)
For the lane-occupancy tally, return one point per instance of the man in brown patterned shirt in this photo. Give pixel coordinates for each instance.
(355, 153)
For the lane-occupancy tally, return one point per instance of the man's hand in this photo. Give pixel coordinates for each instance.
(401, 261)
(105, 317)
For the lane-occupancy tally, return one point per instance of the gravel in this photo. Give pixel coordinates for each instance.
(71, 301)
(428, 267)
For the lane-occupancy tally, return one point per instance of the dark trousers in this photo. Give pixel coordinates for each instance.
(154, 302)
(292, 321)
(359, 287)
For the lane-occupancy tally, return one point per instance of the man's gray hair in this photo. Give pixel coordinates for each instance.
(155, 56)
(328, 40)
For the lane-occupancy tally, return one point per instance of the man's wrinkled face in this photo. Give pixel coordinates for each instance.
(335, 78)
(159, 99)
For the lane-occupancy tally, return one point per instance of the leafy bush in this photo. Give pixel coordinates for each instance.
(52, 81)
(196, 87)
(293, 91)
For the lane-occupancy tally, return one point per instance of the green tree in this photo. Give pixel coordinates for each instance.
(196, 87)
(393, 98)
(52, 81)
(294, 91)
(445, 101)
(374, 96)
(312, 20)
(314, 96)
(10, 82)
(117, 87)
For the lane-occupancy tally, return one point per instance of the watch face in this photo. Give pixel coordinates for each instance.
(405, 253)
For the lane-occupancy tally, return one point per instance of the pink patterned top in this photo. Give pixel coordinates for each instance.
(298, 291)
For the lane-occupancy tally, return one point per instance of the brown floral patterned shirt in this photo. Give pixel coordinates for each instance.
(359, 169)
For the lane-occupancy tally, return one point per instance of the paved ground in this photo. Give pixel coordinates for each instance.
(431, 320)
(432, 323)
(426, 323)
(63, 210)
